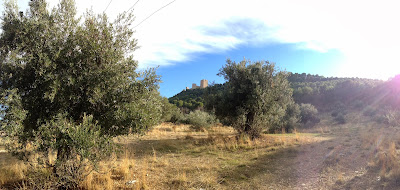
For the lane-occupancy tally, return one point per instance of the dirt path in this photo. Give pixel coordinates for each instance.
(330, 164)
(327, 164)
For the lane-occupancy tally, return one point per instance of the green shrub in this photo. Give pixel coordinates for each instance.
(290, 121)
(358, 104)
(82, 146)
(340, 119)
(177, 117)
(338, 109)
(170, 112)
(338, 105)
(199, 119)
(339, 113)
(369, 111)
(308, 114)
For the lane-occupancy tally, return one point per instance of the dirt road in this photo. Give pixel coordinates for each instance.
(340, 162)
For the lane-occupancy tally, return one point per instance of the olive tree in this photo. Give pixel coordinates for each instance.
(309, 115)
(68, 84)
(254, 98)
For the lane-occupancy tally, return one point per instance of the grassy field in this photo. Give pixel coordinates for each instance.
(356, 155)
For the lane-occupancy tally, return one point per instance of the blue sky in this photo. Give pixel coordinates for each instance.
(190, 39)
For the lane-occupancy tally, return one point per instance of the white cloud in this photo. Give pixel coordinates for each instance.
(366, 32)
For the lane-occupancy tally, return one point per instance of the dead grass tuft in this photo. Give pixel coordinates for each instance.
(380, 144)
(12, 173)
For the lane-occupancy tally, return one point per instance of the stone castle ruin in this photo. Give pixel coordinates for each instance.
(203, 84)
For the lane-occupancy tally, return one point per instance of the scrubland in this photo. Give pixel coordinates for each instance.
(360, 154)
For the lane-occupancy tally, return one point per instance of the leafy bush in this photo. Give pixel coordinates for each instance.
(177, 117)
(359, 104)
(308, 115)
(338, 108)
(199, 119)
(170, 113)
(340, 119)
(339, 112)
(82, 146)
(369, 111)
(291, 119)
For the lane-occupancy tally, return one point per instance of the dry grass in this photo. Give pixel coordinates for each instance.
(172, 131)
(12, 173)
(175, 157)
(11, 170)
(381, 146)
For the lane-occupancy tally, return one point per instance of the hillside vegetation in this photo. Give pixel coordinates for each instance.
(317, 90)
(190, 99)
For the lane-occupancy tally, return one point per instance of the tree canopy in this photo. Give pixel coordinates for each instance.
(255, 96)
(56, 68)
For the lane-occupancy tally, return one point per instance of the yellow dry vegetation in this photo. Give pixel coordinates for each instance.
(176, 157)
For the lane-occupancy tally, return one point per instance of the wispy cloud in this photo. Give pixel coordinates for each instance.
(366, 32)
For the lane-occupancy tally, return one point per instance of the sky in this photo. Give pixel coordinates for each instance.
(190, 40)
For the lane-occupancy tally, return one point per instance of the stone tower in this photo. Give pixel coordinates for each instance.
(203, 83)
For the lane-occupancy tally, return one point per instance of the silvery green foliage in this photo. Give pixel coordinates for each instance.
(291, 120)
(169, 111)
(71, 83)
(255, 97)
(199, 119)
(309, 115)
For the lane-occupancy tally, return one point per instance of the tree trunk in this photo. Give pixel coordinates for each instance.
(248, 129)
(63, 154)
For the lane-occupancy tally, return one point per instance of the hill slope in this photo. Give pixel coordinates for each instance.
(323, 92)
